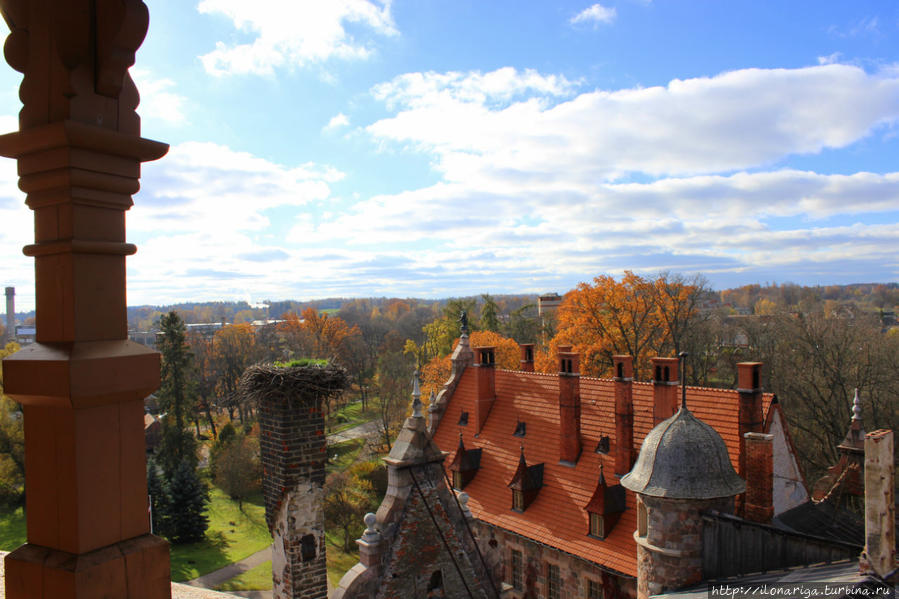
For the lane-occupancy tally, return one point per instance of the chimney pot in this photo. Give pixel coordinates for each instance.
(527, 357)
(759, 504)
(664, 388)
(624, 414)
(486, 377)
(569, 407)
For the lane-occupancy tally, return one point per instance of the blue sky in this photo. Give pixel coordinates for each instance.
(443, 148)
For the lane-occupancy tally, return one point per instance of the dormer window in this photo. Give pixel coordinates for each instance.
(525, 484)
(465, 465)
(603, 445)
(604, 508)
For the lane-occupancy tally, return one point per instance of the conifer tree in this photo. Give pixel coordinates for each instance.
(159, 500)
(188, 496)
(176, 397)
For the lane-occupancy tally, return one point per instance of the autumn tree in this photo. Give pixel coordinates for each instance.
(12, 444)
(233, 350)
(489, 314)
(394, 384)
(237, 466)
(205, 376)
(348, 497)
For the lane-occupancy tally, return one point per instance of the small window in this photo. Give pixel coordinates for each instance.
(463, 419)
(457, 480)
(520, 429)
(594, 589)
(597, 526)
(620, 370)
(517, 582)
(658, 373)
(517, 500)
(641, 518)
(603, 445)
(755, 378)
(553, 582)
(436, 581)
(667, 374)
(529, 354)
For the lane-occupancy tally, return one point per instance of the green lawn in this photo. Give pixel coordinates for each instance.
(338, 561)
(347, 417)
(232, 536)
(256, 579)
(347, 454)
(12, 529)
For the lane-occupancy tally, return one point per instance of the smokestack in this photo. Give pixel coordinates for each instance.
(486, 376)
(665, 380)
(527, 357)
(10, 313)
(569, 407)
(624, 414)
(759, 503)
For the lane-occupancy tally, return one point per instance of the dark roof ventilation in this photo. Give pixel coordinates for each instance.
(521, 429)
(463, 419)
(525, 484)
(604, 508)
(603, 445)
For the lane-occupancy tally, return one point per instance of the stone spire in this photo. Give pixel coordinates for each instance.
(854, 441)
(416, 395)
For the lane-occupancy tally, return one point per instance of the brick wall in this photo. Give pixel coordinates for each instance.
(293, 450)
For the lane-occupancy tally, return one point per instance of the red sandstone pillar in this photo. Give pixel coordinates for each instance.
(569, 407)
(624, 414)
(665, 380)
(82, 384)
(485, 362)
(759, 503)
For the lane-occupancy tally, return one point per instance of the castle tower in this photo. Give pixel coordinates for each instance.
(683, 470)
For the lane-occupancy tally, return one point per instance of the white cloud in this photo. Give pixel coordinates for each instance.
(292, 33)
(337, 121)
(830, 58)
(595, 14)
(157, 100)
(736, 120)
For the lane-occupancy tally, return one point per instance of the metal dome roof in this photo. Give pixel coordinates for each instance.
(683, 458)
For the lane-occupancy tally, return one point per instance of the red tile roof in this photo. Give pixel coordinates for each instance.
(557, 517)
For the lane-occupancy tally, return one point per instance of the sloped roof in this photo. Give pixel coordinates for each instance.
(557, 517)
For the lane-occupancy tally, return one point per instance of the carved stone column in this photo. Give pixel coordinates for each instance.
(82, 384)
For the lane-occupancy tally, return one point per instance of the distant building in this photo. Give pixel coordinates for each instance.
(548, 303)
(25, 334)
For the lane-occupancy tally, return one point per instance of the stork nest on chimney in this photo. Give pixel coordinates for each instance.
(305, 383)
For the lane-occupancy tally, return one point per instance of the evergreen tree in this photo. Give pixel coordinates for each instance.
(176, 397)
(188, 496)
(159, 500)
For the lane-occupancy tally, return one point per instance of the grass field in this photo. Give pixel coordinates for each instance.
(338, 561)
(256, 579)
(12, 529)
(347, 417)
(232, 536)
(347, 453)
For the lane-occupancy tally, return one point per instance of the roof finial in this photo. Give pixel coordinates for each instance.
(683, 378)
(856, 407)
(602, 476)
(416, 396)
(463, 319)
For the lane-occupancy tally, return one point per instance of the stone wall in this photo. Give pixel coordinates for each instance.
(497, 545)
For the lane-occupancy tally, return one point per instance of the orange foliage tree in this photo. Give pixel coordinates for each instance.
(318, 335)
(437, 370)
(634, 316)
(233, 349)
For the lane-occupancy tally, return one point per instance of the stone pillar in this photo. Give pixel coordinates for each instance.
(10, 314)
(665, 381)
(569, 408)
(486, 376)
(624, 414)
(82, 384)
(879, 555)
(759, 502)
(527, 357)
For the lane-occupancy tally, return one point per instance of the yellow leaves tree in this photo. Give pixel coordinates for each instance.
(633, 315)
(233, 349)
(318, 335)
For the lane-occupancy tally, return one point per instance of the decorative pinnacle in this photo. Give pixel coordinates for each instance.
(856, 407)
(602, 477)
(416, 396)
(463, 319)
(683, 378)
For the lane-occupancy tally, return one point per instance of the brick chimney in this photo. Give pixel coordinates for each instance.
(665, 380)
(485, 363)
(879, 555)
(569, 407)
(624, 414)
(749, 387)
(759, 502)
(527, 357)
